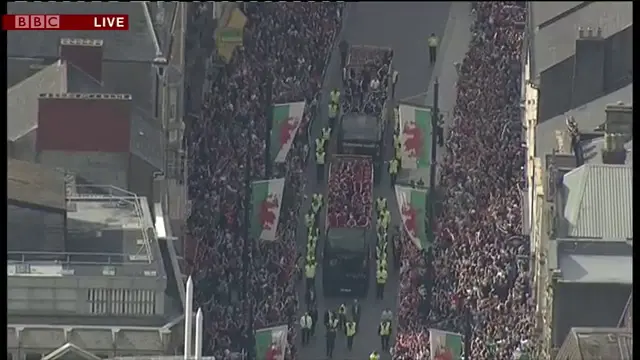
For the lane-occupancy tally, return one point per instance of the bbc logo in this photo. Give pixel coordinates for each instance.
(37, 22)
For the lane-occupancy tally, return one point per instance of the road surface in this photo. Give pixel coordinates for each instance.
(404, 27)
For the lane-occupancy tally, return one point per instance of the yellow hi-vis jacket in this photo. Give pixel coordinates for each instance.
(381, 276)
(433, 41)
(351, 328)
(312, 241)
(320, 157)
(309, 219)
(319, 143)
(310, 271)
(374, 356)
(397, 141)
(385, 328)
(393, 167)
(381, 250)
(311, 257)
(335, 96)
(326, 133)
(333, 110)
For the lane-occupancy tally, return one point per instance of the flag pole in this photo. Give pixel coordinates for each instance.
(468, 331)
(188, 325)
(199, 335)
(268, 161)
(246, 253)
(432, 173)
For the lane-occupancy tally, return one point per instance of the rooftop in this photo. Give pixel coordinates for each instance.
(61, 77)
(360, 127)
(108, 234)
(579, 51)
(139, 44)
(22, 98)
(592, 261)
(588, 117)
(596, 269)
(556, 26)
(598, 343)
(73, 341)
(598, 202)
(33, 184)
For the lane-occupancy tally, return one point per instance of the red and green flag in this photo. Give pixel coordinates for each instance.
(415, 124)
(412, 205)
(266, 198)
(445, 345)
(271, 343)
(286, 122)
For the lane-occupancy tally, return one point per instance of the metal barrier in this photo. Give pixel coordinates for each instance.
(117, 195)
(62, 258)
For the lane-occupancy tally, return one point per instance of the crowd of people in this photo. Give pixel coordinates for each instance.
(479, 260)
(289, 44)
(366, 80)
(350, 192)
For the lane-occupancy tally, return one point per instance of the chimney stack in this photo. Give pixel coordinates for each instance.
(588, 67)
(613, 151)
(85, 54)
(619, 119)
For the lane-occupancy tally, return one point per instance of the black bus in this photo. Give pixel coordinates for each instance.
(346, 262)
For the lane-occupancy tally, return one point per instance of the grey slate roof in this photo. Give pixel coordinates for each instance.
(137, 44)
(599, 201)
(543, 12)
(22, 98)
(596, 269)
(556, 42)
(588, 116)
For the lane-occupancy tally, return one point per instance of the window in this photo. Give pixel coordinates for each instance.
(173, 136)
(173, 104)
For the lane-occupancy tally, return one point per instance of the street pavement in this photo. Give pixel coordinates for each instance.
(404, 27)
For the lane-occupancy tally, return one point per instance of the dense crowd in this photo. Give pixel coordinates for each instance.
(479, 259)
(350, 192)
(366, 80)
(287, 43)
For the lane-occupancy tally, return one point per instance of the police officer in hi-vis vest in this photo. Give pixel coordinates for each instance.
(384, 329)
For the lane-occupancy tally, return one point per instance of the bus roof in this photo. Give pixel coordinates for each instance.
(349, 239)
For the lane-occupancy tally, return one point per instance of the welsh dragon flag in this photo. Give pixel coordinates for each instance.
(415, 124)
(271, 343)
(286, 121)
(412, 205)
(266, 197)
(445, 345)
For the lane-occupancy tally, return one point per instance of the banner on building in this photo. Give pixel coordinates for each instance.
(230, 36)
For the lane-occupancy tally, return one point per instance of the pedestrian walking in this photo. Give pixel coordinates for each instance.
(305, 325)
(393, 171)
(350, 332)
(313, 312)
(381, 280)
(384, 330)
(320, 157)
